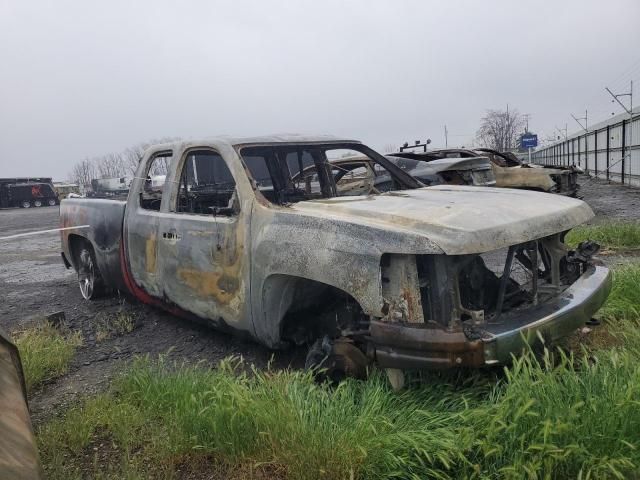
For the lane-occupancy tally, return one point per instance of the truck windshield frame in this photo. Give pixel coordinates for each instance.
(268, 168)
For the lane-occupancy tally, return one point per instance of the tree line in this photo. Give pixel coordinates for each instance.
(112, 165)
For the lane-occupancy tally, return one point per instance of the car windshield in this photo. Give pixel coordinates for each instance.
(289, 173)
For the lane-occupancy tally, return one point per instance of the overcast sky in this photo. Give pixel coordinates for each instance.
(81, 79)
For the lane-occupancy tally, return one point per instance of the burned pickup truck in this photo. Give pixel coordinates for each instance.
(416, 277)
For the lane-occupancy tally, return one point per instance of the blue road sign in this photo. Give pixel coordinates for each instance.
(529, 140)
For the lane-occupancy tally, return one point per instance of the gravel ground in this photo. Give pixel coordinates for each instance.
(34, 283)
(610, 201)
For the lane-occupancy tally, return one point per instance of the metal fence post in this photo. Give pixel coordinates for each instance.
(624, 141)
(595, 151)
(608, 138)
(586, 149)
(586, 170)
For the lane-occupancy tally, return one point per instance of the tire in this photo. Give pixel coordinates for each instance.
(25, 204)
(333, 361)
(51, 202)
(37, 203)
(89, 279)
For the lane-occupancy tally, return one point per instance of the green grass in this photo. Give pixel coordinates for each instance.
(611, 236)
(575, 417)
(542, 421)
(624, 299)
(282, 420)
(45, 352)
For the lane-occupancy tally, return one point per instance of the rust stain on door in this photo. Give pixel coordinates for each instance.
(150, 254)
(221, 286)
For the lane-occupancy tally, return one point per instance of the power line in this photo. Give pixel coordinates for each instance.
(630, 95)
(585, 118)
(628, 73)
(563, 131)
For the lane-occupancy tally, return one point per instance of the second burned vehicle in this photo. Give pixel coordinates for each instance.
(415, 277)
(356, 174)
(509, 171)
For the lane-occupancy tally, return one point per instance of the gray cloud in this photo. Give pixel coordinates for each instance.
(82, 79)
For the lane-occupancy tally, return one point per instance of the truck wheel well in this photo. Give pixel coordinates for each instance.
(76, 242)
(305, 309)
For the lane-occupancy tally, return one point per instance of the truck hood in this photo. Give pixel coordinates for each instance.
(458, 219)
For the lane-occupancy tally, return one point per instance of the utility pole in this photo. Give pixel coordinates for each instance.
(526, 132)
(563, 131)
(446, 137)
(586, 125)
(630, 112)
(630, 95)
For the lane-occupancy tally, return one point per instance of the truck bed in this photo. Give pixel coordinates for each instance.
(98, 221)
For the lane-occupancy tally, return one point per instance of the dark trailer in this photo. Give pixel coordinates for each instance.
(27, 192)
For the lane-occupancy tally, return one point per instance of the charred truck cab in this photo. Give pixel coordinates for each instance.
(414, 277)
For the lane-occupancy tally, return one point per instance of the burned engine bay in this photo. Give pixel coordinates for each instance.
(449, 302)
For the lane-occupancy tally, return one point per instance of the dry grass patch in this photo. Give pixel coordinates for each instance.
(114, 325)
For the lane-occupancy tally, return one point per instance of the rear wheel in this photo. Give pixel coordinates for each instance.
(51, 202)
(37, 203)
(25, 204)
(89, 279)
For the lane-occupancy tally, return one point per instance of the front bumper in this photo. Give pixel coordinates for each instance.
(424, 345)
(552, 320)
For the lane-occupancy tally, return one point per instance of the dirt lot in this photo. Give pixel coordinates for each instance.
(34, 283)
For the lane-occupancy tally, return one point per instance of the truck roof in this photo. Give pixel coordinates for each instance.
(232, 141)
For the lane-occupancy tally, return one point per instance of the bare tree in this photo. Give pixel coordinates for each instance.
(500, 129)
(114, 165)
(133, 155)
(110, 166)
(83, 172)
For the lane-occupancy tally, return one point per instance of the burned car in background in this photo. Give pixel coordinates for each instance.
(451, 171)
(415, 277)
(116, 187)
(359, 174)
(509, 171)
